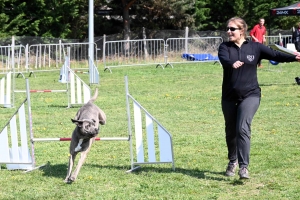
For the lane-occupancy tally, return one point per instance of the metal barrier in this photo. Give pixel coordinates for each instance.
(133, 52)
(159, 52)
(20, 61)
(275, 39)
(50, 56)
(177, 47)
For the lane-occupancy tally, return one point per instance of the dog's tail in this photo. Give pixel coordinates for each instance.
(95, 96)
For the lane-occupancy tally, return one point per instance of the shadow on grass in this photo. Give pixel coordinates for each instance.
(60, 170)
(196, 173)
(272, 84)
(57, 170)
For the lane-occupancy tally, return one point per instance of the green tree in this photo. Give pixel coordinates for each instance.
(16, 18)
(201, 14)
(168, 14)
(48, 18)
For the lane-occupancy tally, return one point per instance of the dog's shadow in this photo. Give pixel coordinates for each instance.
(59, 171)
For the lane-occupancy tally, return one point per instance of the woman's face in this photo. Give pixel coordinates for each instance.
(234, 32)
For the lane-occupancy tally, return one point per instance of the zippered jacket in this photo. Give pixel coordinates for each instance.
(242, 82)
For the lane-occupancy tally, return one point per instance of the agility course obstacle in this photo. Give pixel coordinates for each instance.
(11, 154)
(145, 139)
(6, 87)
(78, 92)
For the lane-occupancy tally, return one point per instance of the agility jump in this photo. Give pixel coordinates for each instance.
(22, 158)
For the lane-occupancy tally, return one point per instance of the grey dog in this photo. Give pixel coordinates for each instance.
(87, 121)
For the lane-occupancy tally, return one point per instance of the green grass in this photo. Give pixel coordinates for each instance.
(186, 101)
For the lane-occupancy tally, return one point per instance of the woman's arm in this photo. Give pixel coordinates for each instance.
(224, 56)
(270, 54)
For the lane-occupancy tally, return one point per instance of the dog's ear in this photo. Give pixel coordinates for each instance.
(78, 123)
(102, 117)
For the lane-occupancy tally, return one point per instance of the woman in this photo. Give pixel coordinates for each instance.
(296, 38)
(240, 90)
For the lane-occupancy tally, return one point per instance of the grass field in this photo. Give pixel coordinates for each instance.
(186, 101)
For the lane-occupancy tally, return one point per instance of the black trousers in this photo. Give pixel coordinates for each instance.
(238, 118)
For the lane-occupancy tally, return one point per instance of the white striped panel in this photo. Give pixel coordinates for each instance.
(72, 87)
(150, 138)
(138, 133)
(79, 99)
(8, 89)
(4, 148)
(86, 93)
(14, 140)
(165, 147)
(2, 94)
(24, 144)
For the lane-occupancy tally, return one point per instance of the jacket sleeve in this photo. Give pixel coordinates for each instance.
(270, 54)
(224, 55)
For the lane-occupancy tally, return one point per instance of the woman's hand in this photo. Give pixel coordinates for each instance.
(298, 56)
(238, 64)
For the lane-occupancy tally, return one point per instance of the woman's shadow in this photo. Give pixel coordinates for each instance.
(60, 170)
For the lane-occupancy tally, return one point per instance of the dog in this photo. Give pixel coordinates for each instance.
(87, 120)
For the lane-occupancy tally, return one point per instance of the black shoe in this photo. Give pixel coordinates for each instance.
(297, 79)
(230, 171)
(244, 173)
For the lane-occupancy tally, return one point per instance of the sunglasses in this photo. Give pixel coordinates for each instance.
(232, 29)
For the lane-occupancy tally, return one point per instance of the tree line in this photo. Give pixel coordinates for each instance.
(69, 18)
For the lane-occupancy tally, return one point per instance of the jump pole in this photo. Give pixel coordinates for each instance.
(69, 139)
(41, 91)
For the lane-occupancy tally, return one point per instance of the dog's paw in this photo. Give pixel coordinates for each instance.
(69, 180)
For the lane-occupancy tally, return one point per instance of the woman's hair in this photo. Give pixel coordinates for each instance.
(240, 23)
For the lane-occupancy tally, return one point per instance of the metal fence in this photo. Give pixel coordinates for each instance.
(42, 56)
(119, 53)
(133, 52)
(6, 58)
(176, 47)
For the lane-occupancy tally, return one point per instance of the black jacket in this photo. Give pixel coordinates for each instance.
(241, 83)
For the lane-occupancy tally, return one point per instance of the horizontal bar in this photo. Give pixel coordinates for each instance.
(69, 139)
(1, 162)
(150, 163)
(33, 91)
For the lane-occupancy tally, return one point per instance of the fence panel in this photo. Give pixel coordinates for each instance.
(6, 58)
(274, 39)
(51, 56)
(133, 52)
(204, 48)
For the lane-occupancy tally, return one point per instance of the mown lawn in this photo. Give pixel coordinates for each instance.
(186, 101)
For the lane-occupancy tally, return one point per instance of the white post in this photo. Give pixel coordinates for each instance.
(91, 38)
(13, 68)
(186, 39)
(103, 50)
(26, 57)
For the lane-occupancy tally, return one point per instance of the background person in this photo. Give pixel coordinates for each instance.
(296, 37)
(241, 93)
(258, 34)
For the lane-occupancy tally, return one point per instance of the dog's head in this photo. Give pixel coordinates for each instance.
(86, 127)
